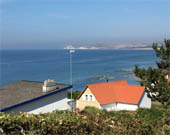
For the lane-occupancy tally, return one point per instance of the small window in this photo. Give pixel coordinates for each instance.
(91, 98)
(86, 97)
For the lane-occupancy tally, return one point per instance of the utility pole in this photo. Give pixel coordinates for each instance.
(71, 82)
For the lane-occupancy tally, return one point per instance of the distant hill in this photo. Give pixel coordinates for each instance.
(81, 47)
(113, 47)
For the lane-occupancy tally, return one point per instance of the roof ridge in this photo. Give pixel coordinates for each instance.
(107, 82)
(135, 85)
(29, 81)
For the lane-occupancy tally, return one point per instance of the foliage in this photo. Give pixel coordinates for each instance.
(75, 94)
(157, 85)
(91, 121)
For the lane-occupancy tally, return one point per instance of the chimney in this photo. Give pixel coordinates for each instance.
(49, 85)
(107, 80)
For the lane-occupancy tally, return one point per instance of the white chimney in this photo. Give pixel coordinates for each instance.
(167, 77)
(49, 85)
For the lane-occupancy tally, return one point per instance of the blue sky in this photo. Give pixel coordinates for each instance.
(51, 24)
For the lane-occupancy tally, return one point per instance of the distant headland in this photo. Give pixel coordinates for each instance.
(111, 47)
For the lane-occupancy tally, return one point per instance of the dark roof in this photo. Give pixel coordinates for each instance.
(22, 91)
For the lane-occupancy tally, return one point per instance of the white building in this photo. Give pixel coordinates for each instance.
(33, 97)
(118, 95)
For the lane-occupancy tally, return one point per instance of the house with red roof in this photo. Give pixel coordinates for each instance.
(115, 95)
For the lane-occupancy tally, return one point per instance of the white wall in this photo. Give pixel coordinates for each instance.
(124, 106)
(119, 106)
(145, 102)
(57, 101)
(109, 107)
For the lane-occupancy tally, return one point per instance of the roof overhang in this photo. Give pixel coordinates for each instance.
(81, 93)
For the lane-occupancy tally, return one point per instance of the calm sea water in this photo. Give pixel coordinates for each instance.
(89, 66)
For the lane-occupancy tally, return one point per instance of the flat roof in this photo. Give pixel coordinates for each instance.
(22, 91)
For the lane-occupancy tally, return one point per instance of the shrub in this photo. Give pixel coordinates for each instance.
(90, 121)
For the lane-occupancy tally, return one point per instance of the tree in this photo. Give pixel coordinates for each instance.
(75, 94)
(155, 80)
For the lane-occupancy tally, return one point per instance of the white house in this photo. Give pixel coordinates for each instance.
(117, 95)
(33, 97)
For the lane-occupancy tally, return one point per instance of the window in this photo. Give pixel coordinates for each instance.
(86, 97)
(91, 98)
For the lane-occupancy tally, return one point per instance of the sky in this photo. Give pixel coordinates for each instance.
(53, 24)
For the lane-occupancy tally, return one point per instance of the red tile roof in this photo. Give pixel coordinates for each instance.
(118, 91)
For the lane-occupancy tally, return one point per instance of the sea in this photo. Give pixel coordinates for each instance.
(88, 66)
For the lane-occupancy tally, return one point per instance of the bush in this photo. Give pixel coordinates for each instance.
(90, 121)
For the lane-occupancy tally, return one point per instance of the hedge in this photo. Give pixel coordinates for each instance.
(91, 121)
